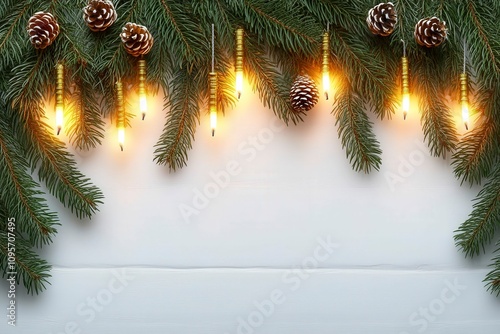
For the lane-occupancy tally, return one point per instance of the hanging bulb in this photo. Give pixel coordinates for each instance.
(239, 62)
(59, 97)
(326, 63)
(464, 99)
(143, 103)
(213, 101)
(405, 106)
(120, 119)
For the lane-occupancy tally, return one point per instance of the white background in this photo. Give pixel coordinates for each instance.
(235, 266)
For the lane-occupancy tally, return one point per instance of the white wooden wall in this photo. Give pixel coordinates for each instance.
(290, 240)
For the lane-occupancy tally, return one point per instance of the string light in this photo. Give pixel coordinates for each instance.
(120, 121)
(212, 77)
(464, 94)
(59, 97)
(239, 62)
(143, 103)
(405, 82)
(326, 61)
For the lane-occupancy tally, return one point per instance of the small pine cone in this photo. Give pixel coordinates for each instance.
(430, 32)
(99, 14)
(303, 94)
(382, 19)
(42, 29)
(136, 39)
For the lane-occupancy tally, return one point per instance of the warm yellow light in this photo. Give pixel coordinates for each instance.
(121, 137)
(405, 105)
(326, 83)
(213, 120)
(465, 115)
(143, 105)
(239, 83)
(59, 118)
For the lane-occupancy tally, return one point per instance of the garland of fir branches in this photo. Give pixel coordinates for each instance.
(282, 40)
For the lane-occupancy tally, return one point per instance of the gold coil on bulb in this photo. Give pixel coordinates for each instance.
(120, 113)
(404, 75)
(142, 87)
(405, 84)
(59, 96)
(239, 61)
(212, 100)
(326, 63)
(464, 99)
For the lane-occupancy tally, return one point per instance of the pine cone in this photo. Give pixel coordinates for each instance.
(304, 94)
(42, 29)
(382, 19)
(136, 39)
(430, 32)
(99, 14)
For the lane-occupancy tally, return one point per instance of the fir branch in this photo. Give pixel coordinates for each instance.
(31, 270)
(84, 126)
(477, 231)
(285, 26)
(493, 277)
(181, 101)
(476, 153)
(439, 129)
(21, 194)
(355, 132)
(366, 74)
(57, 169)
(270, 84)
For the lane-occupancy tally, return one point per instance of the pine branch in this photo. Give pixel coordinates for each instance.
(57, 169)
(270, 84)
(477, 231)
(366, 74)
(476, 153)
(21, 194)
(493, 277)
(31, 270)
(84, 126)
(355, 132)
(181, 101)
(437, 122)
(284, 26)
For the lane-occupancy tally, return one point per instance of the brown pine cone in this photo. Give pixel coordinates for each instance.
(430, 32)
(42, 29)
(382, 19)
(303, 94)
(99, 14)
(136, 39)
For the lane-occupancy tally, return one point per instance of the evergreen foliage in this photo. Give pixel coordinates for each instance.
(282, 40)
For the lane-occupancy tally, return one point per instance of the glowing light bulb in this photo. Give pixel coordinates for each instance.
(406, 104)
(213, 121)
(143, 105)
(121, 137)
(465, 115)
(326, 83)
(59, 118)
(239, 83)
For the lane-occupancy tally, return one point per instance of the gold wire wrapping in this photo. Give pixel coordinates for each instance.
(326, 63)
(142, 87)
(59, 95)
(464, 98)
(405, 84)
(212, 101)
(239, 61)
(120, 113)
